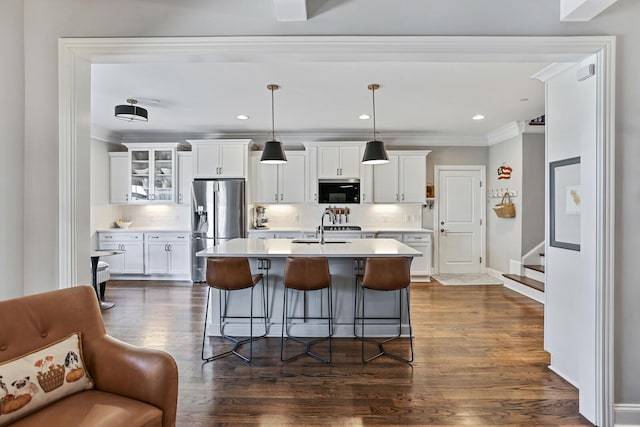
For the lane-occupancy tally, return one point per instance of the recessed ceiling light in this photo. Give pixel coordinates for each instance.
(242, 117)
(478, 117)
(364, 117)
(524, 99)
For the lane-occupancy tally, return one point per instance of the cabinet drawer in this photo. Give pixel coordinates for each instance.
(166, 237)
(120, 237)
(417, 238)
(395, 236)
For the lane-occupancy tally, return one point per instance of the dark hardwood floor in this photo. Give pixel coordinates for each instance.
(478, 361)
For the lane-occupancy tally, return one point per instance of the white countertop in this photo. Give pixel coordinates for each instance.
(281, 248)
(363, 230)
(143, 230)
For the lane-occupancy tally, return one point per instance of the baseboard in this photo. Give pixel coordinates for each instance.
(534, 294)
(564, 377)
(515, 267)
(494, 273)
(626, 414)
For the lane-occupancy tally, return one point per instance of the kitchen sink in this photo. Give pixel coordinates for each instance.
(312, 241)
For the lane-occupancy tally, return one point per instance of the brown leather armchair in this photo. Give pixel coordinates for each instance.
(133, 386)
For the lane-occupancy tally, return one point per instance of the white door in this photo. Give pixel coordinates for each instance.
(460, 217)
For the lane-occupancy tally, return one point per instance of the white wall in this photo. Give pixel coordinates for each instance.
(46, 20)
(533, 170)
(504, 235)
(569, 275)
(12, 158)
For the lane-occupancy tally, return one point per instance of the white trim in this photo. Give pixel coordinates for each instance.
(534, 254)
(551, 70)
(627, 414)
(525, 290)
(582, 10)
(494, 273)
(515, 267)
(538, 129)
(354, 48)
(565, 377)
(508, 131)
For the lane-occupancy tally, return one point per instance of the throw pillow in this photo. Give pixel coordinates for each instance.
(41, 377)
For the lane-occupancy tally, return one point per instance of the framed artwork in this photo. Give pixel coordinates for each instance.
(565, 204)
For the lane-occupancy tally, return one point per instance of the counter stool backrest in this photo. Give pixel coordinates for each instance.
(387, 274)
(230, 273)
(307, 274)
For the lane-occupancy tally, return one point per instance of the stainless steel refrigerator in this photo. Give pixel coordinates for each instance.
(218, 215)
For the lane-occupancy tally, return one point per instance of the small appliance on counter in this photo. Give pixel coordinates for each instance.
(261, 220)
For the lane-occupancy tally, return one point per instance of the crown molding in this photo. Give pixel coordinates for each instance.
(552, 70)
(508, 131)
(287, 138)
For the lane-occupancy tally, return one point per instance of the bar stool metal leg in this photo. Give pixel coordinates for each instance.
(306, 343)
(380, 343)
(237, 342)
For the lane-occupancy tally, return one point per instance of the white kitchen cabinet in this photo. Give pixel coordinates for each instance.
(312, 174)
(366, 183)
(260, 234)
(131, 260)
(339, 161)
(288, 235)
(420, 266)
(284, 183)
(185, 177)
(403, 179)
(152, 177)
(220, 158)
(119, 177)
(167, 253)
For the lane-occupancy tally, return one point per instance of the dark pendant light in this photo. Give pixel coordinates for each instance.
(273, 153)
(131, 112)
(374, 152)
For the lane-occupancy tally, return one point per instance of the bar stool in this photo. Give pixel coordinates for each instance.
(306, 274)
(384, 274)
(228, 275)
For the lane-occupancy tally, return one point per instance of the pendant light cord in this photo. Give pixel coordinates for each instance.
(273, 122)
(373, 93)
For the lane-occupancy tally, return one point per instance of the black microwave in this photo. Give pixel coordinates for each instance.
(338, 191)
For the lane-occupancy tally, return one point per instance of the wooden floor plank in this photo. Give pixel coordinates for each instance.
(478, 361)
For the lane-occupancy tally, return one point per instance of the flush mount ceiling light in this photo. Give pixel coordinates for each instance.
(374, 152)
(273, 152)
(478, 117)
(131, 112)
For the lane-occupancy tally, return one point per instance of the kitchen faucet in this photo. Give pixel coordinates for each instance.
(332, 218)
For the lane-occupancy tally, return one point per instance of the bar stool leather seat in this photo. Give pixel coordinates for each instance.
(384, 274)
(228, 275)
(306, 274)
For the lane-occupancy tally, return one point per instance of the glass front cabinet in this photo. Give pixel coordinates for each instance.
(152, 172)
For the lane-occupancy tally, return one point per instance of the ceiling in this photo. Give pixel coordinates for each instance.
(422, 99)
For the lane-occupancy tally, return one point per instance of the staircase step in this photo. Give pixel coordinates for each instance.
(539, 268)
(535, 284)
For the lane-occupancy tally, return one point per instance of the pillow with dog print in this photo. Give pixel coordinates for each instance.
(41, 377)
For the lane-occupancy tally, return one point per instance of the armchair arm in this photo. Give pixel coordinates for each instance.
(143, 374)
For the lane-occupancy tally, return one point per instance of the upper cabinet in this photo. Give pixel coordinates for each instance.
(185, 177)
(119, 177)
(284, 183)
(403, 179)
(339, 161)
(220, 158)
(152, 172)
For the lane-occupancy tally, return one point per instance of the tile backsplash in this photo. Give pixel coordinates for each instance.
(381, 216)
(162, 216)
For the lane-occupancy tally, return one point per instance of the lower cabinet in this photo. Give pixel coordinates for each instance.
(131, 260)
(167, 253)
(147, 254)
(420, 266)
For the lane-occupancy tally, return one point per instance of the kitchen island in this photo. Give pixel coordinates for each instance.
(346, 259)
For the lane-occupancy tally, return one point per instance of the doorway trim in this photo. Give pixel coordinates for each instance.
(77, 54)
(483, 205)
